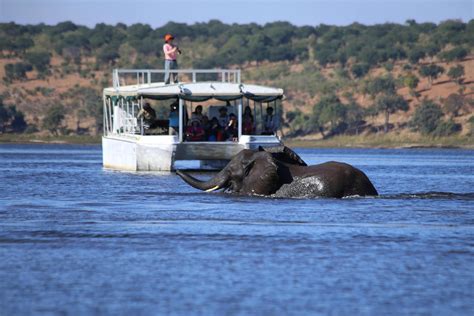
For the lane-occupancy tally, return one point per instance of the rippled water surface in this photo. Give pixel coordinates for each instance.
(76, 239)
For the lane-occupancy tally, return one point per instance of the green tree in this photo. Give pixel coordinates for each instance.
(324, 55)
(299, 123)
(354, 115)
(63, 27)
(91, 101)
(432, 49)
(446, 128)
(234, 50)
(22, 43)
(18, 123)
(389, 104)
(369, 55)
(16, 71)
(416, 54)
(388, 66)
(139, 30)
(76, 40)
(328, 110)
(458, 53)
(456, 74)
(147, 46)
(431, 72)
(40, 61)
(73, 54)
(258, 46)
(453, 104)
(450, 31)
(88, 104)
(4, 116)
(360, 69)
(426, 117)
(106, 56)
(80, 115)
(411, 82)
(104, 34)
(380, 85)
(396, 53)
(11, 119)
(54, 119)
(279, 32)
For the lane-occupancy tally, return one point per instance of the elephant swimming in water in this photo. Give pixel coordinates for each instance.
(280, 172)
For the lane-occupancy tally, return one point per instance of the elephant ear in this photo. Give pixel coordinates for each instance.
(284, 154)
(261, 175)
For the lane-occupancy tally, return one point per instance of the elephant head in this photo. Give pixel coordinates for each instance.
(249, 172)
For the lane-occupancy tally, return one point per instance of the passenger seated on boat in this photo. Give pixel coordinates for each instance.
(231, 130)
(215, 131)
(269, 125)
(195, 132)
(223, 117)
(197, 114)
(148, 115)
(205, 124)
(174, 118)
(247, 122)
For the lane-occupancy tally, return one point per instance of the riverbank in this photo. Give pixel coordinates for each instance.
(385, 141)
(343, 141)
(33, 139)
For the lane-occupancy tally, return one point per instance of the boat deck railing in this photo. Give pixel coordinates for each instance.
(148, 76)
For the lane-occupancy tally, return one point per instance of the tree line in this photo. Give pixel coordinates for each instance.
(78, 102)
(216, 44)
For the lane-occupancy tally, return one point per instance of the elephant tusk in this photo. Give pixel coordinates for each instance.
(212, 189)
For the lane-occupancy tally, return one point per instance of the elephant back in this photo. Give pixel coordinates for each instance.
(284, 154)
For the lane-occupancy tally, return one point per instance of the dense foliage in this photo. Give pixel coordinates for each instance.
(53, 121)
(428, 119)
(217, 44)
(11, 120)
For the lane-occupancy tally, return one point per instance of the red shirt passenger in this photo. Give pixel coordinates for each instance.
(195, 132)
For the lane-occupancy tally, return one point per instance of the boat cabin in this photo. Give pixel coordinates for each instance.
(209, 115)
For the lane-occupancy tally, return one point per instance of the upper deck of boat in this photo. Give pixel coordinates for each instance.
(218, 83)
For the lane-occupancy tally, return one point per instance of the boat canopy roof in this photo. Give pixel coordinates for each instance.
(197, 91)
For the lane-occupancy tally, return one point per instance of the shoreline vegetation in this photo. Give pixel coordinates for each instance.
(385, 141)
(341, 141)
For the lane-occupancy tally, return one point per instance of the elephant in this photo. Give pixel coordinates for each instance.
(280, 172)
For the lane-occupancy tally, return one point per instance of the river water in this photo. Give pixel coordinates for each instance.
(77, 239)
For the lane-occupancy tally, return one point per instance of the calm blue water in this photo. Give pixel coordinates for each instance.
(76, 239)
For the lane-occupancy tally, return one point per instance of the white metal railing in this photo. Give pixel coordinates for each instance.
(144, 76)
(120, 116)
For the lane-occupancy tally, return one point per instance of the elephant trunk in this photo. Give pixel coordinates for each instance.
(215, 183)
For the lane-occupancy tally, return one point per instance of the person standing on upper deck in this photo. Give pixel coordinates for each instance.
(171, 52)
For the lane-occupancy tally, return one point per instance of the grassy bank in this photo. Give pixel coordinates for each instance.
(69, 139)
(366, 141)
(385, 141)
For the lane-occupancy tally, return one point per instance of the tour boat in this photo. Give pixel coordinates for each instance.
(127, 144)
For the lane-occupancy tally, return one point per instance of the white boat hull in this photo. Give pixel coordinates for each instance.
(159, 153)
